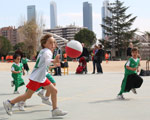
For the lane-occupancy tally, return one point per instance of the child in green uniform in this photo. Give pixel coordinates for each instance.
(17, 70)
(131, 79)
(24, 61)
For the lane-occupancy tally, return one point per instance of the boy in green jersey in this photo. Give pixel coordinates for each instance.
(131, 80)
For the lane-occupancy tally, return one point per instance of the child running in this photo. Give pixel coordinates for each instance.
(38, 78)
(46, 101)
(24, 61)
(131, 80)
(51, 79)
(17, 70)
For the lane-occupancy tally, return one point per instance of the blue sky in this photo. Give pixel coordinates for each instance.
(70, 11)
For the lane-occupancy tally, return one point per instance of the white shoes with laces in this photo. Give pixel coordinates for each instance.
(57, 112)
(8, 107)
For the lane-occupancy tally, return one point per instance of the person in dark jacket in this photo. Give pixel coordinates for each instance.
(99, 56)
(129, 50)
(55, 53)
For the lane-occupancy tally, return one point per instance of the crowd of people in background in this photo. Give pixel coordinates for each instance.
(97, 55)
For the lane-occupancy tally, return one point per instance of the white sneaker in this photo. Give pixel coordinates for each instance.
(21, 106)
(16, 92)
(46, 101)
(134, 91)
(120, 97)
(40, 95)
(8, 107)
(57, 112)
(12, 83)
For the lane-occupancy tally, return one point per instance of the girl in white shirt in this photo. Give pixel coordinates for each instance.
(38, 78)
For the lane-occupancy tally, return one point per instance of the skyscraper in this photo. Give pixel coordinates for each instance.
(31, 12)
(87, 15)
(105, 13)
(53, 14)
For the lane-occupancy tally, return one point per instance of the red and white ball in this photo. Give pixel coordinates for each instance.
(74, 49)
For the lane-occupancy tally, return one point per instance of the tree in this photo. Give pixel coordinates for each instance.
(31, 32)
(86, 36)
(5, 46)
(118, 27)
(21, 46)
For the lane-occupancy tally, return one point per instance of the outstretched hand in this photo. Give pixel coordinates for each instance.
(57, 59)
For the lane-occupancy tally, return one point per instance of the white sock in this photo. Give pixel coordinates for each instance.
(42, 91)
(46, 98)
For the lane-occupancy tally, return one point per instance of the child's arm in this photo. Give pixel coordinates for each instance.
(130, 68)
(57, 59)
(15, 71)
(54, 66)
(23, 71)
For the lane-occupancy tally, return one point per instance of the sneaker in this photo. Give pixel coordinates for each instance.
(12, 83)
(40, 95)
(57, 112)
(8, 107)
(21, 105)
(46, 101)
(134, 91)
(120, 97)
(16, 92)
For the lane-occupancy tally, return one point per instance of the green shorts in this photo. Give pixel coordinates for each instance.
(50, 78)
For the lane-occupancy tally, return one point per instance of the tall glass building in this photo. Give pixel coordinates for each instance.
(87, 15)
(105, 13)
(53, 14)
(31, 12)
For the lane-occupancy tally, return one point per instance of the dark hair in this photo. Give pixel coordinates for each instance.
(134, 49)
(15, 56)
(100, 45)
(45, 38)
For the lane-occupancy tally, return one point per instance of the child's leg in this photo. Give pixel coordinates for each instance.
(50, 89)
(16, 88)
(16, 85)
(23, 97)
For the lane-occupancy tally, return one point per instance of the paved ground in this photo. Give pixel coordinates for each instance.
(85, 97)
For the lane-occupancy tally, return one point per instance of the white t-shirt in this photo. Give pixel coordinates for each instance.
(39, 72)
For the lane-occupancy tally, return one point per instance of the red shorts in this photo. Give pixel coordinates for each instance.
(33, 85)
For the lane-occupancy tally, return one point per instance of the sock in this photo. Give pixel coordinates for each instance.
(11, 103)
(46, 98)
(42, 91)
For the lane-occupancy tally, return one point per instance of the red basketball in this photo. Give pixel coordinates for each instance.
(74, 49)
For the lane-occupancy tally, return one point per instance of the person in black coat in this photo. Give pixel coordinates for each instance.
(99, 57)
(129, 50)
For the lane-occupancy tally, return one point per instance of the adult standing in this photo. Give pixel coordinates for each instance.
(56, 52)
(99, 56)
(94, 59)
(129, 49)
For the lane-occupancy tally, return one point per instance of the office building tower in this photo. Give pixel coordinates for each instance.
(105, 13)
(53, 14)
(31, 12)
(87, 15)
